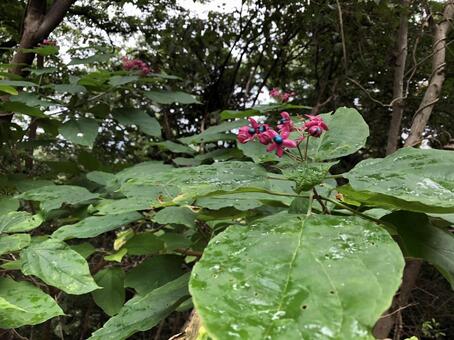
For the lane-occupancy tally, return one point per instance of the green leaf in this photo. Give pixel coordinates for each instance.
(12, 243)
(8, 204)
(423, 240)
(175, 147)
(99, 57)
(95, 225)
(144, 244)
(140, 118)
(101, 177)
(347, 134)
(202, 180)
(243, 201)
(85, 249)
(107, 207)
(58, 265)
(154, 272)
(82, 131)
(18, 107)
(409, 179)
(176, 215)
(257, 151)
(17, 83)
(170, 97)
(17, 221)
(40, 71)
(42, 50)
(118, 256)
(112, 295)
(216, 131)
(53, 196)
(142, 170)
(22, 304)
(31, 99)
(297, 277)
(69, 88)
(8, 89)
(122, 80)
(143, 312)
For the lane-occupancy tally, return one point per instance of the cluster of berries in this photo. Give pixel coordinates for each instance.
(279, 140)
(282, 97)
(48, 42)
(137, 65)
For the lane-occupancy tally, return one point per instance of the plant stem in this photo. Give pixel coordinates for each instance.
(299, 150)
(352, 210)
(309, 208)
(319, 200)
(305, 149)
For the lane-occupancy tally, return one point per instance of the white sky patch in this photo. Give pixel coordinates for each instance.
(201, 10)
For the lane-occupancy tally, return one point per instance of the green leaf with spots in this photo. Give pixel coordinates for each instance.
(93, 226)
(55, 263)
(22, 304)
(297, 277)
(82, 131)
(409, 179)
(10, 243)
(112, 295)
(53, 196)
(17, 221)
(144, 312)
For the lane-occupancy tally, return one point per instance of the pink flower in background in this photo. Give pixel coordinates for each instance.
(279, 142)
(285, 123)
(281, 96)
(48, 42)
(136, 64)
(315, 126)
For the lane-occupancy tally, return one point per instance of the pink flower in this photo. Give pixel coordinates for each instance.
(279, 142)
(315, 126)
(48, 42)
(285, 123)
(275, 92)
(136, 64)
(249, 132)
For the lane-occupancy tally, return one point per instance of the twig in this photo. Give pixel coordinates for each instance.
(189, 252)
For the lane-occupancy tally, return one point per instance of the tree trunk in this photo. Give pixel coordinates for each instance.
(432, 94)
(37, 26)
(398, 84)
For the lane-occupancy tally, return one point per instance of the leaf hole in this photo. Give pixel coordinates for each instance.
(331, 291)
(304, 307)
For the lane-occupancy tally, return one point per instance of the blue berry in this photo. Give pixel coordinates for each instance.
(278, 139)
(251, 131)
(262, 129)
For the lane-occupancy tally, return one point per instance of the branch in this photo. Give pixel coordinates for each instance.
(53, 18)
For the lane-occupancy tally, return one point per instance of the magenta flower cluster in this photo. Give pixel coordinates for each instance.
(136, 65)
(281, 96)
(278, 139)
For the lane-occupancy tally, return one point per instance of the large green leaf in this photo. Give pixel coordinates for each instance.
(16, 221)
(410, 179)
(202, 180)
(9, 243)
(423, 240)
(95, 225)
(58, 265)
(22, 304)
(154, 272)
(140, 118)
(53, 196)
(112, 295)
(297, 277)
(170, 97)
(142, 170)
(18, 107)
(82, 131)
(8, 89)
(143, 312)
(8, 204)
(347, 134)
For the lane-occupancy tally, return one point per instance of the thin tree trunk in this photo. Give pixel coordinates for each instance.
(398, 84)
(432, 94)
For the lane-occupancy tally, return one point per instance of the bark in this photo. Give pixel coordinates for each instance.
(432, 94)
(37, 26)
(398, 84)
